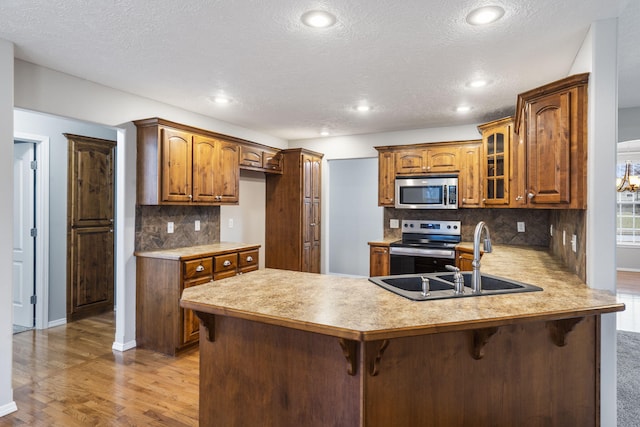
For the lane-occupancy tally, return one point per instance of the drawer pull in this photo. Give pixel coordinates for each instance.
(227, 263)
(249, 258)
(200, 268)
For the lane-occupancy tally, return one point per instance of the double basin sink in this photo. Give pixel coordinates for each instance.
(441, 285)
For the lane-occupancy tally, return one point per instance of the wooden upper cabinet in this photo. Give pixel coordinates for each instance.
(443, 159)
(181, 165)
(386, 178)
(518, 169)
(176, 169)
(260, 158)
(496, 142)
(469, 182)
(423, 160)
(552, 124)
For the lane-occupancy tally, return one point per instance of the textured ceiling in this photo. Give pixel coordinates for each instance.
(409, 59)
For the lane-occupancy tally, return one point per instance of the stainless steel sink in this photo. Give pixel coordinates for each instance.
(441, 285)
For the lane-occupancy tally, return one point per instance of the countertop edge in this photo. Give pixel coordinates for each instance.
(191, 253)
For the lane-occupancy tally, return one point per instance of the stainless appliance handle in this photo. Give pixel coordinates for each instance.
(424, 252)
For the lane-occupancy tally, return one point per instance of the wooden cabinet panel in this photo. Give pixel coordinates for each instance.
(551, 123)
(379, 260)
(176, 165)
(272, 161)
(496, 143)
(443, 159)
(469, 182)
(411, 162)
(248, 261)
(180, 165)
(464, 259)
(250, 156)
(548, 149)
(518, 169)
(161, 325)
(204, 169)
(293, 212)
(386, 178)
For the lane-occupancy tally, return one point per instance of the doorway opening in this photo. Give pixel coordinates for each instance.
(33, 275)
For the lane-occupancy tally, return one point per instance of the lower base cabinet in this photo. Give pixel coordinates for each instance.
(161, 325)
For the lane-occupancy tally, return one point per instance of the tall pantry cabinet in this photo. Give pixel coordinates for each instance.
(293, 213)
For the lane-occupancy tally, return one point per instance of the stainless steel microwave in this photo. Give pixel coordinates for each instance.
(433, 192)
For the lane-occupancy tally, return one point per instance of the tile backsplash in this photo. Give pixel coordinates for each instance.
(502, 223)
(151, 226)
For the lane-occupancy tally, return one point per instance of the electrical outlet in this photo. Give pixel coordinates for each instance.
(551, 230)
(564, 237)
(170, 227)
(520, 227)
(197, 225)
(574, 243)
(230, 222)
(394, 223)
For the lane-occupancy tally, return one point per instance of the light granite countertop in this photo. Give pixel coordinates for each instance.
(196, 251)
(355, 308)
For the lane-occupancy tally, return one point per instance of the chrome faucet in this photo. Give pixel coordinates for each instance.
(476, 283)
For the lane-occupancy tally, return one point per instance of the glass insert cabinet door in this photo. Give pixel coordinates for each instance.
(496, 143)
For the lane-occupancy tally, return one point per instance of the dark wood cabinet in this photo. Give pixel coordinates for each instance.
(551, 121)
(161, 276)
(293, 213)
(260, 158)
(181, 165)
(379, 259)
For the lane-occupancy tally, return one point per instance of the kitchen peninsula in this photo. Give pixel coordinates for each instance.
(285, 348)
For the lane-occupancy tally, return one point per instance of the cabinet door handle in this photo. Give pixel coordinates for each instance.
(200, 268)
(190, 196)
(519, 198)
(531, 195)
(227, 263)
(249, 258)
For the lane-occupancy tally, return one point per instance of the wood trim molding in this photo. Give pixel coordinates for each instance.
(208, 321)
(479, 339)
(350, 352)
(559, 329)
(374, 365)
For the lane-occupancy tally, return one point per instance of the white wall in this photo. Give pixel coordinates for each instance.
(54, 127)
(628, 124)
(248, 216)
(354, 215)
(7, 404)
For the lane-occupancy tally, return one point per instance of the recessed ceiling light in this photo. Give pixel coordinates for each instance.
(478, 83)
(324, 133)
(363, 108)
(318, 19)
(463, 109)
(220, 99)
(485, 15)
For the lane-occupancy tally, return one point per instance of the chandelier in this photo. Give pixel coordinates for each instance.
(628, 182)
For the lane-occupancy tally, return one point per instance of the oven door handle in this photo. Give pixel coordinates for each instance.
(436, 253)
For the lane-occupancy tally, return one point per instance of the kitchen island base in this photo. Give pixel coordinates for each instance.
(538, 372)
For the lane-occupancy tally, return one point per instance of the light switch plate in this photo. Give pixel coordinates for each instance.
(170, 227)
(230, 222)
(394, 223)
(520, 227)
(197, 225)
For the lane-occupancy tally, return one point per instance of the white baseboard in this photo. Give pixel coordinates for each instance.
(8, 408)
(118, 346)
(58, 322)
(631, 270)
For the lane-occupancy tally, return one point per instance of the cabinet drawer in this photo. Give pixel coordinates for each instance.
(197, 268)
(226, 262)
(248, 260)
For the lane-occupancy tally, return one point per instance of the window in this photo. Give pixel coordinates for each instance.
(628, 202)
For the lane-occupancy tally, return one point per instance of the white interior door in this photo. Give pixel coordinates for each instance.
(23, 242)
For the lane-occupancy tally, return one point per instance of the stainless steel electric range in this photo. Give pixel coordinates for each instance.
(426, 247)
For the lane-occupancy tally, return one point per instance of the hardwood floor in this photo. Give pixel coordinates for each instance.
(628, 282)
(69, 376)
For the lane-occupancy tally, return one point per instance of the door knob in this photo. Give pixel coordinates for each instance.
(530, 196)
(200, 268)
(249, 258)
(227, 263)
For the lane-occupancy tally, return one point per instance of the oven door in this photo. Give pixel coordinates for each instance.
(412, 261)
